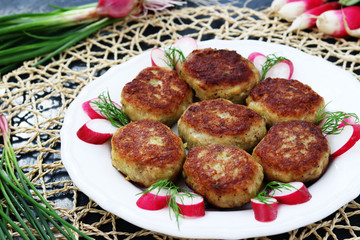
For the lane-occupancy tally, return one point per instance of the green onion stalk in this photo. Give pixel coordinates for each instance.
(23, 208)
(30, 35)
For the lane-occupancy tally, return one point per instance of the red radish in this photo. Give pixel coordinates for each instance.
(96, 131)
(265, 212)
(186, 45)
(91, 109)
(308, 18)
(294, 9)
(258, 59)
(154, 200)
(296, 194)
(190, 205)
(341, 22)
(341, 143)
(277, 4)
(158, 58)
(283, 69)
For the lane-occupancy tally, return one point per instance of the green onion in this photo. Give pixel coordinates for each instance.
(29, 35)
(35, 219)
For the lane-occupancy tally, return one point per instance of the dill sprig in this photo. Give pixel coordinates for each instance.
(264, 196)
(110, 111)
(174, 56)
(173, 192)
(271, 60)
(332, 120)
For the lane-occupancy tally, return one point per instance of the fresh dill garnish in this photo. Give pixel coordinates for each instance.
(264, 196)
(271, 60)
(332, 120)
(172, 191)
(110, 111)
(174, 56)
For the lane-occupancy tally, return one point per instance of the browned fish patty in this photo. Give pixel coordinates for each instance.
(158, 94)
(226, 176)
(216, 73)
(218, 121)
(147, 151)
(293, 151)
(278, 99)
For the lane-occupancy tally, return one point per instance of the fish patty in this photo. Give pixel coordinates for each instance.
(220, 73)
(293, 151)
(225, 176)
(156, 93)
(278, 99)
(147, 151)
(219, 121)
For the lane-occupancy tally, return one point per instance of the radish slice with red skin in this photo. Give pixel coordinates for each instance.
(154, 200)
(96, 131)
(186, 45)
(343, 142)
(158, 57)
(265, 212)
(258, 59)
(292, 196)
(191, 206)
(92, 110)
(89, 109)
(283, 69)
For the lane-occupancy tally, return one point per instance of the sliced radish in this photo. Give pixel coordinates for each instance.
(283, 69)
(258, 59)
(92, 110)
(191, 206)
(265, 212)
(341, 143)
(96, 131)
(186, 45)
(154, 200)
(158, 57)
(293, 195)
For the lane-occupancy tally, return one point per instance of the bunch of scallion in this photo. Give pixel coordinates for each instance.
(23, 209)
(29, 35)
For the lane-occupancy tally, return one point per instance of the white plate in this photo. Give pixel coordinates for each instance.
(90, 167)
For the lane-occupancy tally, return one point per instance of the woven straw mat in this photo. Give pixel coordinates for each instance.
(36, 99)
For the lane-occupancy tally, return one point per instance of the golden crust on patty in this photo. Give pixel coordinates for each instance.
(278, 99)
(219, 121)
(147, 151)
(219, 74)
(158, 94)
(293, 151)
(226, 176)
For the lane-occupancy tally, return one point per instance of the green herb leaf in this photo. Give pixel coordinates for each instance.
(110, 111)
(264, 197)
(173, 191)
(271, 60)
(332, 120)
(174, 56)
(349, 2)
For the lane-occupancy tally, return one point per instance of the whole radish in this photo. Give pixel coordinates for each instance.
(277, 4)
(292, 10)
(308, 18)
(341, 22)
